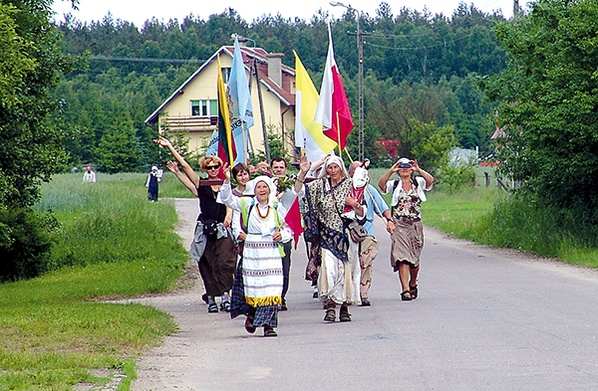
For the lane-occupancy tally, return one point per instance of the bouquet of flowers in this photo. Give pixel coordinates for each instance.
(283, 184)
(258, 171)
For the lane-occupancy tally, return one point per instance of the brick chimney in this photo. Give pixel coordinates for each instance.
(275, 67)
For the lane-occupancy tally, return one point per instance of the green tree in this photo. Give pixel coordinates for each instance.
(31, 145)
(549, 105)
(430, 144)
(30, 65)
(118, 149)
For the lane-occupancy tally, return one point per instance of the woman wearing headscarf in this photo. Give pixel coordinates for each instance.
(408, 237)
(213, 247)
(327, 196)
(260, 266)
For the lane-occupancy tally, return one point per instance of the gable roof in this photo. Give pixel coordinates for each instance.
(249, 55)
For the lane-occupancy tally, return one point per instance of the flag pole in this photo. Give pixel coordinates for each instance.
(244, 138)
(223, 105)
(338, 131)
(366, 189)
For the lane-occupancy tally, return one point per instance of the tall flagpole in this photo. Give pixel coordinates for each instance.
(259, 95)
(338, 131)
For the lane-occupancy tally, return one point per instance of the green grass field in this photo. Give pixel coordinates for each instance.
(55, 330)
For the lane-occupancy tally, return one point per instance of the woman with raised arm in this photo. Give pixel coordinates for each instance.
(408, 237)
(261, 263)
(327, 196)
(213, 247)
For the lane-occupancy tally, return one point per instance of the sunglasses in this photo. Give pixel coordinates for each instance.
(212, 167)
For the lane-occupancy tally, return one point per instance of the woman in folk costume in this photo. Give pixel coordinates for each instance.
(262, 251)
(327, 196)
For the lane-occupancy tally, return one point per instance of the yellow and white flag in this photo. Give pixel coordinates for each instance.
(308, 133)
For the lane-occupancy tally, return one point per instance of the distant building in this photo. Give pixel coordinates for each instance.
(461, 156)
(192, 109)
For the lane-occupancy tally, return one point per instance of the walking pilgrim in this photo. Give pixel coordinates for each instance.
(327, 196)
(266, 229)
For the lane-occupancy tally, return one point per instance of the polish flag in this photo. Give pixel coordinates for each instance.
(333, 110)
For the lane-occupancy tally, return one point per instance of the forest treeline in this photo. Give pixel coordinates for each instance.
(420, 72)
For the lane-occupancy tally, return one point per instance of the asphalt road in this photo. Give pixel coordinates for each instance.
(486, 319)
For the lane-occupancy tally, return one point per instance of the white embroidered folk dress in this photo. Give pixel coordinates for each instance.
(262, 262)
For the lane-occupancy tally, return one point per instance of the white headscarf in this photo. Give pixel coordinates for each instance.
(333, 159)
(267, 180)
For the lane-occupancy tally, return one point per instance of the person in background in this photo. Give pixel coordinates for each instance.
(213, 247)
(241, 174)
(152, 184)
(262, 273)
(408, 237)
(368, 249)
(327, 196)
(287, 197)
(89, 176)
(238, 305)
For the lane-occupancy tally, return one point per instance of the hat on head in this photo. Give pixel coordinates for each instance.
(154, 168)
(404, 163)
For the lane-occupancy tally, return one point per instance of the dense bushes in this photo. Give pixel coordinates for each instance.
(519, 222)
(25, 242)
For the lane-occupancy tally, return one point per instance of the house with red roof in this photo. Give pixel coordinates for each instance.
(192, 109)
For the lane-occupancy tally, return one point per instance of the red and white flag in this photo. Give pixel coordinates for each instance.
(333, 110)
(293, 219)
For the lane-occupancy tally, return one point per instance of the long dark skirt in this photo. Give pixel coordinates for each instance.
(217, 265)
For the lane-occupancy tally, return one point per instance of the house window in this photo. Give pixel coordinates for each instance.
(225, 75)
(204, 108)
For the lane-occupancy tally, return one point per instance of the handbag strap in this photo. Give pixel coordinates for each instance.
(334, 199)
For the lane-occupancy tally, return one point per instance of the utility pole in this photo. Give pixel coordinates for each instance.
(360, 84)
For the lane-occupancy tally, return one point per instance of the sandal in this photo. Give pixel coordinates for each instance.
(249, 327)
(269, 332)
(344, 315)
(330, 315)
(413, 291)
(225, 306)
(406, 296)
(212, 308)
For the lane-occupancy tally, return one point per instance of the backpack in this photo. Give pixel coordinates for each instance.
(245, 213)
(245, 218)
(396, 183)
(394, 187)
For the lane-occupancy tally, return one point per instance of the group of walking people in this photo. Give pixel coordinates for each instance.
(242, 241)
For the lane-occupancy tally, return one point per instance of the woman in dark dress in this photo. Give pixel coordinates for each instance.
(213, 247)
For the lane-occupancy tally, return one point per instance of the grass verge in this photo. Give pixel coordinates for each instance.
(489, 216)
(54, 330)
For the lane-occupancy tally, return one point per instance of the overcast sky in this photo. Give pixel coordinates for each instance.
(138, 11)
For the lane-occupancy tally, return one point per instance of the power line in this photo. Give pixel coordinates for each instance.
(138, 59)
(419, 47)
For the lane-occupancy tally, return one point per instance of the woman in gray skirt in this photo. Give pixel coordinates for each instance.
(408, 237)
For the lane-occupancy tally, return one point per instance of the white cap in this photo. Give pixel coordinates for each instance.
(404, 162)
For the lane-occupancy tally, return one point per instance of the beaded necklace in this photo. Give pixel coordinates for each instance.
(267, 213)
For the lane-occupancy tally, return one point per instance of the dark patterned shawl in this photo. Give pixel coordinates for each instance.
(323, 220)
